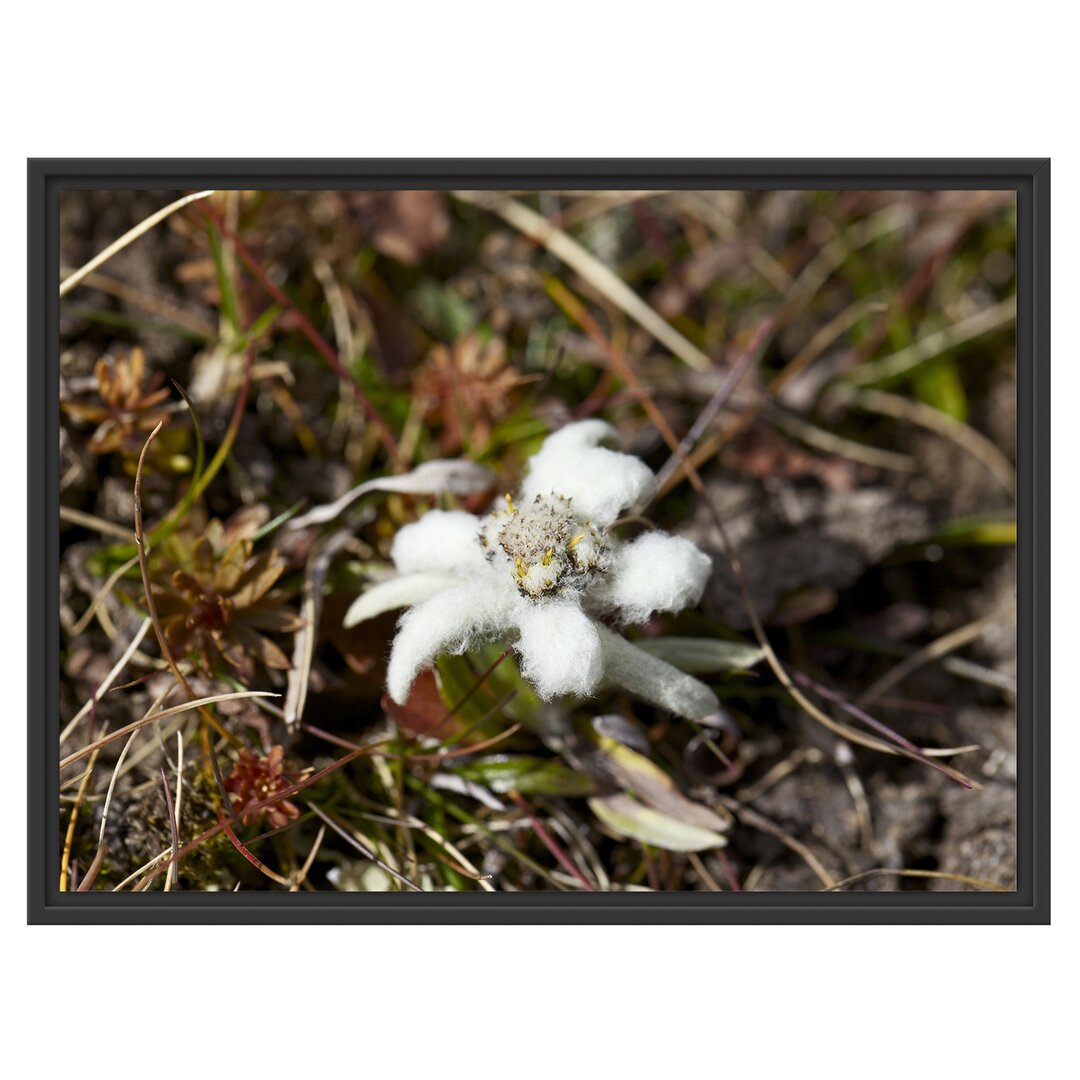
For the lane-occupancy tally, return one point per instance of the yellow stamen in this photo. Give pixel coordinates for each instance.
(547, 557)
(510, 504)
(520, 567)
(573, 543)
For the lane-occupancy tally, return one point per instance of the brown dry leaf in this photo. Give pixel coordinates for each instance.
(466, 389)
(763, 453)
(653, 786)
(402, 225)
(126, 410)
(215, 603)
(424, 712)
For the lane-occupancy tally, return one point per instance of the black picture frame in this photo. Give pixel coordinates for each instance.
(1028, 178)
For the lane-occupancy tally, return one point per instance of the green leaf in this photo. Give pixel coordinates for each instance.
(441, 311)
(229, 306)
(976, 530)
(456, 680)
(527, 774)
(634, 820)
(652, 679)
(938, 383)
(703, 656)
(458, 676)
(653, 786)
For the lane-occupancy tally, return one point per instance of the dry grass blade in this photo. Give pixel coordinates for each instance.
(735, 375)
(591, 269)
(889, 367)
(861, 803)
(703, 872)
(763, 824)
(549, 842)
(464, 866)
(88, 521)
(940, 875)
(352, 840)
(152, 305)
(99, 856)
(69, 836)
(302, 874)
(831, 443)
(921, 280)
(109, 679)
(833, 255)
(702, 206)
(160, 857)
(938, 648)
(442, 755)
(322, 555)
(174, 865)
(144, 566)
(839, 324)
(800, 756)
(102, 594)
(129, 237)
(170, 876)
(941, 423)
(900, 744)
(151, 717)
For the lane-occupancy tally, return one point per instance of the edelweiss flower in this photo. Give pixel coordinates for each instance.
(542, 571)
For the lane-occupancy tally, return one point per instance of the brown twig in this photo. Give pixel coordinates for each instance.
(763, 824)
(736, 373)
(908, 748)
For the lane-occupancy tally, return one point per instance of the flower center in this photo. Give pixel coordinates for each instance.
(546, 546)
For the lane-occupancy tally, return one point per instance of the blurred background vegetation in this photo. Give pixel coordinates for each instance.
(845, 363)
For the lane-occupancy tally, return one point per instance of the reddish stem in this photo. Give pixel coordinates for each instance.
(551, 844)
(318, 342)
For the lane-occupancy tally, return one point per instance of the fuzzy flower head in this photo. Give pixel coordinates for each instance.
(545, 547)
(541, 570)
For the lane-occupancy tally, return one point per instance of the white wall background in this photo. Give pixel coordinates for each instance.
(554, 79)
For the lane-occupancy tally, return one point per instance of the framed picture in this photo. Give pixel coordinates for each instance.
(539, 541)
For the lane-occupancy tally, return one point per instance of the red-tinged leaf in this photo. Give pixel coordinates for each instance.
(424, 713)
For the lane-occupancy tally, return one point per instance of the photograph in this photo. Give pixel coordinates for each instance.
(546, 540)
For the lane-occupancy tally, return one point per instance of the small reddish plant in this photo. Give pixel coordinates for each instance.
(255, 779)
(127, 410)
(216, 600)
(466, 389)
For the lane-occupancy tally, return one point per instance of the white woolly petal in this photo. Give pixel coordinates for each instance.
(450, 621)
(396, 592)
(654, 680)
(441, 540)
(600, 482)
(656, 572)
(559, 649)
